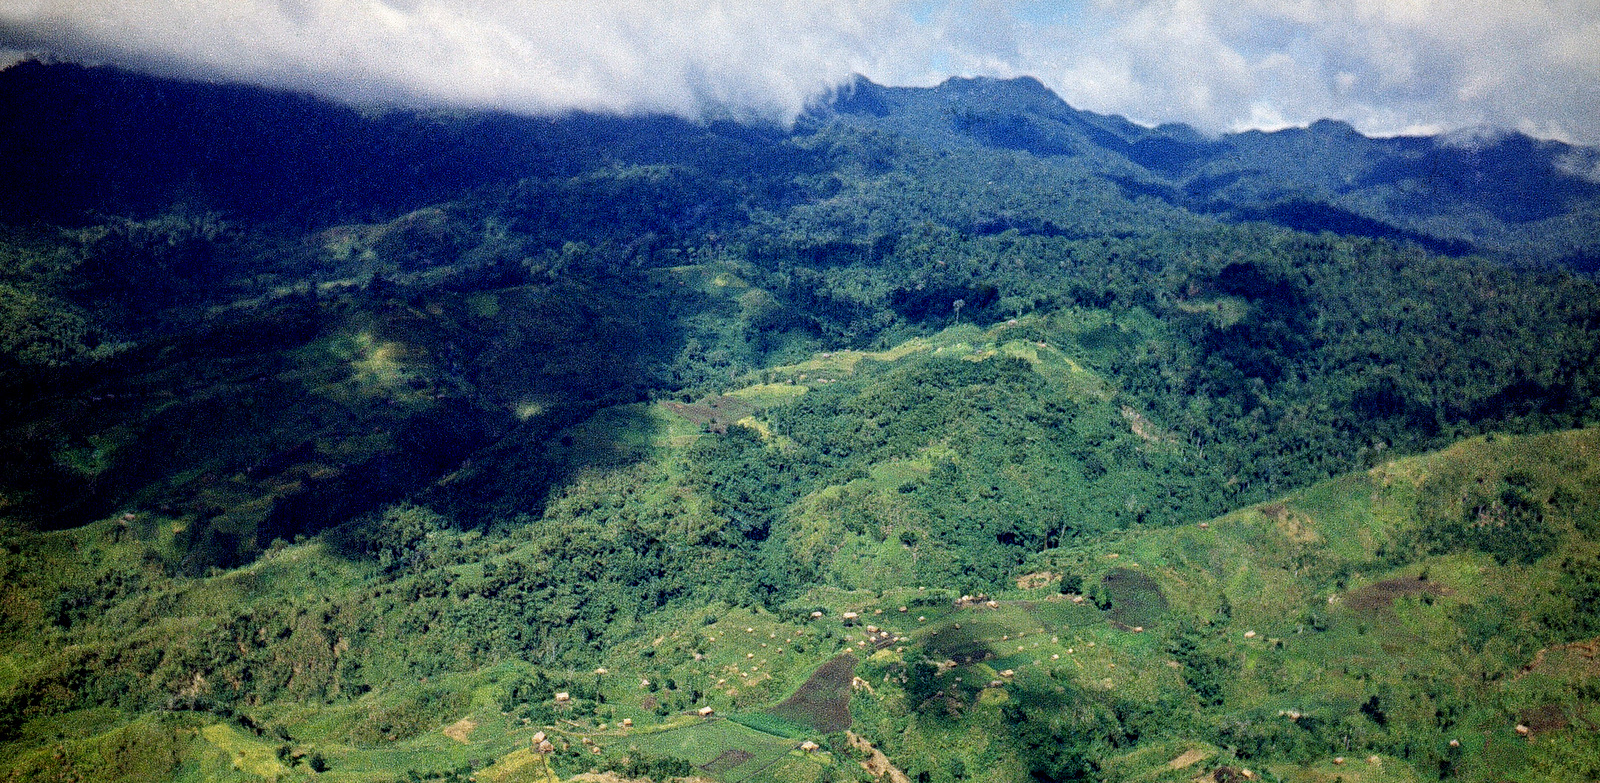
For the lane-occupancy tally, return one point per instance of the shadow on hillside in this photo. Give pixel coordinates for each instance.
(519, 472)
(547, 385)
(310, 414)
(79, 141)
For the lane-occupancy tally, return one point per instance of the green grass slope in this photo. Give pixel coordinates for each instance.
(1393, 625)
(1433, 618)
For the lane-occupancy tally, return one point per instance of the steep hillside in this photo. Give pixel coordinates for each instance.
(1395, 624)
(950, 430)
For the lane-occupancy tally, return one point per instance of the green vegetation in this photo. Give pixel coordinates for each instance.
(944, 439)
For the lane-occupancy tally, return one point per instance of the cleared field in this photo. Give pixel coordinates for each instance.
(718, 747)
(823, 701)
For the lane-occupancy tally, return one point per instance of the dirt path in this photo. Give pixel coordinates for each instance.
(876, 763)
(1588, 648)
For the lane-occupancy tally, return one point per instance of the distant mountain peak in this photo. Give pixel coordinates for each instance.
(1330, 127)
(1021, 83)
(1017, 89)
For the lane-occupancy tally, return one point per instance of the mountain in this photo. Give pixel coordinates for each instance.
(951, 430)
(1457, 193)
(81, 138)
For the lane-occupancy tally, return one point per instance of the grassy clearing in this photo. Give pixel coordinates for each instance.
(248, 754)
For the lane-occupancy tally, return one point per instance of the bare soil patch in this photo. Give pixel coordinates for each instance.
(823, 701)
(1136, 599)
(729, 759)
(461, 729)
(1548, 717)
(1382, 595)
(1035, 581)
(1276, 512)
(714, 413)
(1188, 759)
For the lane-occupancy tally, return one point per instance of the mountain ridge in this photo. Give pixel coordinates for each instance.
(1229, 174)
(1503, 193)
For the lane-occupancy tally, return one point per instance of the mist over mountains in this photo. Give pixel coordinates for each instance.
(1218, 65)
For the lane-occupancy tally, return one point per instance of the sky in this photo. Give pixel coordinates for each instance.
(1385, 66)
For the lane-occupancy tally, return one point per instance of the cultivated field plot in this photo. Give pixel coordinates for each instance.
(823, 702)
(720, 748)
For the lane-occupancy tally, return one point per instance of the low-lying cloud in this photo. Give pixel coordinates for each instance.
(1387, 66)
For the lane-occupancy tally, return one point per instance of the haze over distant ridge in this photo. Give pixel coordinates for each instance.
(1386, 67)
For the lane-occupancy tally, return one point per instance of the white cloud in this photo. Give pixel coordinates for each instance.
(763, 58)
(1386, 66)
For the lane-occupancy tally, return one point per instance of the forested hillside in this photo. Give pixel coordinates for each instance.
(364, 444)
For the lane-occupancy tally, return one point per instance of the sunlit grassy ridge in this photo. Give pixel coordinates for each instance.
(1296, 625)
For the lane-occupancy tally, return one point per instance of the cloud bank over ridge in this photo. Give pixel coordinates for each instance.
(1386, 66)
